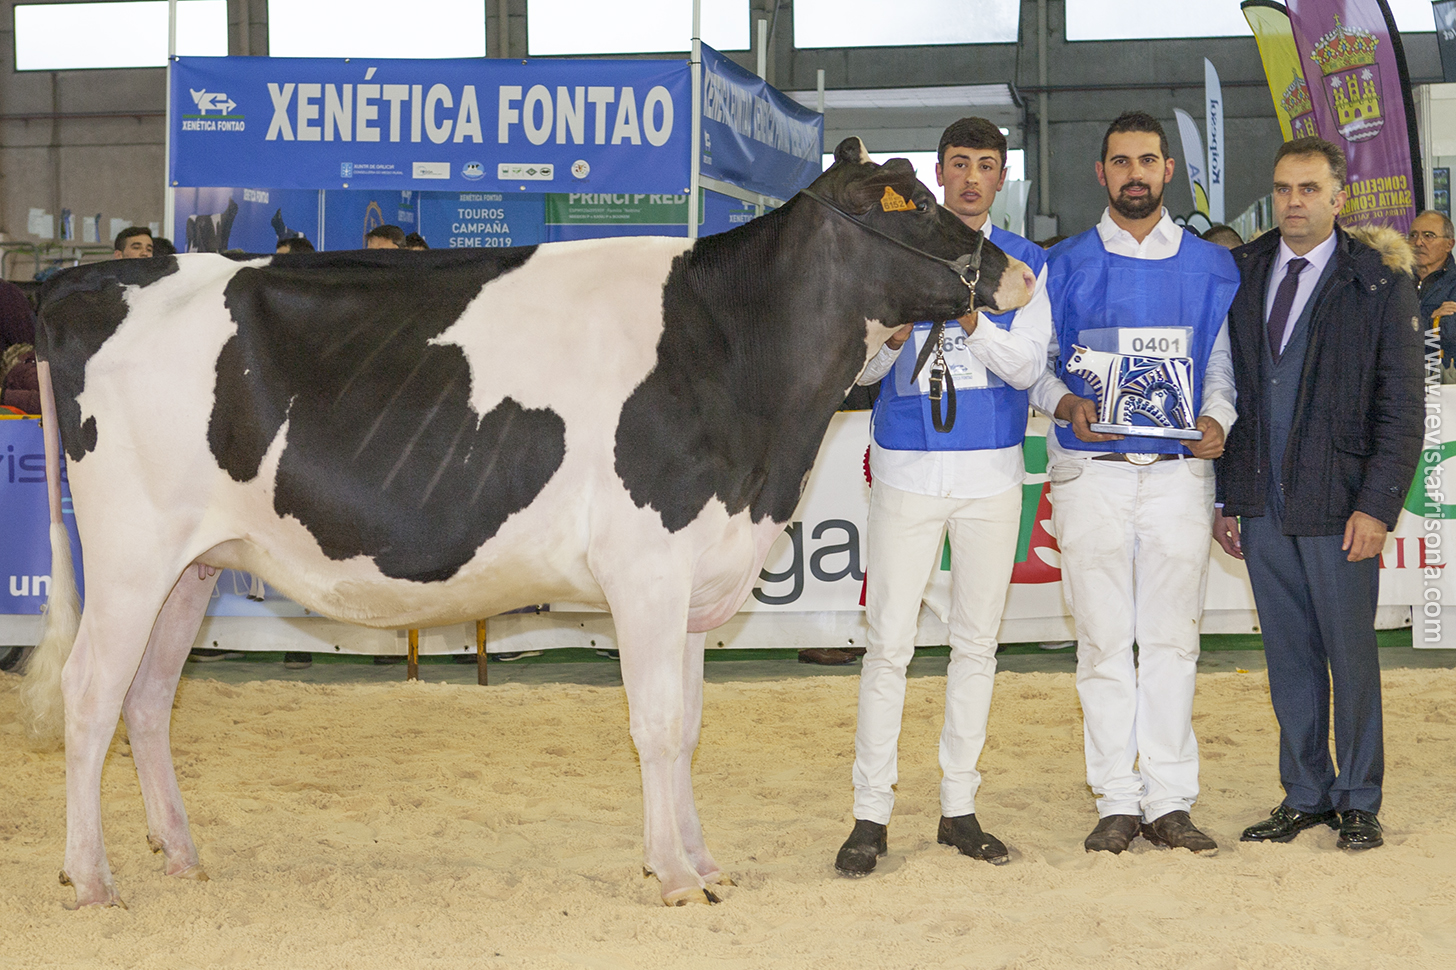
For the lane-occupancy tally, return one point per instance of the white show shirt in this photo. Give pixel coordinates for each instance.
(1017, 356)
(1218, 375)
(1318, 258)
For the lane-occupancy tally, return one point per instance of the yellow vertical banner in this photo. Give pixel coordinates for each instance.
(1292, 103)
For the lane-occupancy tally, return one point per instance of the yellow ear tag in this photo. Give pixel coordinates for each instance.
(893, 201)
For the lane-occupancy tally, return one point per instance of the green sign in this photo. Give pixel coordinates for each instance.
(618, 209)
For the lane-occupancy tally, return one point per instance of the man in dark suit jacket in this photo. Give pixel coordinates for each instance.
(1326, 341)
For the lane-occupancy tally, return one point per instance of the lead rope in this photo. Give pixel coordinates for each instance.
(941, 383)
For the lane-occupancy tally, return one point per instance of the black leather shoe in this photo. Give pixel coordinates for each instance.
(1360, 830)
(1114, 833)
(964, 832)
(1177, 831)
(863, 848)
(1284, 823)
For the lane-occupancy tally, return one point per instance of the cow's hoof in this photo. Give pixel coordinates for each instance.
(684, 897)
(106, 896)
(194, 872)
(112, 901)
(718, 879)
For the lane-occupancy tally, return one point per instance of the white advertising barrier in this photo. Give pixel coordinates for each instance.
(817, 565)
(809, 591)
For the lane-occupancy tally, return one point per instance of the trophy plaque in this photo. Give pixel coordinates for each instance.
(1139, 395)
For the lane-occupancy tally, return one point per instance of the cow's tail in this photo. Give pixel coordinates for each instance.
(41, 691)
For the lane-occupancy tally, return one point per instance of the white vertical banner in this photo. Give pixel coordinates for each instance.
(1213, 121)
(1193, 159)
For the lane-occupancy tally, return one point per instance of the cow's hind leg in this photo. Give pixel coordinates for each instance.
(684, 804)
(148, 714)
(115, 627)
(652, 633)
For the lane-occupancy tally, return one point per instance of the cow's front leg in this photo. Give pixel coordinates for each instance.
(684, 803)
(652, 640)
(148, 714)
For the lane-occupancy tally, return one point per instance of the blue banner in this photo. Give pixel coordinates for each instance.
(754, 136)
(455, 125)
(482, 220)
(215, 220)
(25, 545)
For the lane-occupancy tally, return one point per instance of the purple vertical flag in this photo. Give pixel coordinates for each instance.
(1360, 93)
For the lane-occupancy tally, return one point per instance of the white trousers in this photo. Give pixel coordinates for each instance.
(903, 548)
(1135, 543)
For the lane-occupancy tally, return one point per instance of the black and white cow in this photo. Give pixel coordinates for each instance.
(404, 439)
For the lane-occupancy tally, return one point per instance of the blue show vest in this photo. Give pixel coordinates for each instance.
(987, 417)
(1092, 289)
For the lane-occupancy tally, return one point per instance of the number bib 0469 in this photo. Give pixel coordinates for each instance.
(965, 367)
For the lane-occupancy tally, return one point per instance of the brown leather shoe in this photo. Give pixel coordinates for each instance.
(826, 656)
(1114, 833)
(1177, 831)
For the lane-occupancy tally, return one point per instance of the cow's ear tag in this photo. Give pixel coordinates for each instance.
(893, 201)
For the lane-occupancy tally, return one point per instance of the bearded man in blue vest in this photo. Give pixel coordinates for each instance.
(1132, 513)
(965, 480)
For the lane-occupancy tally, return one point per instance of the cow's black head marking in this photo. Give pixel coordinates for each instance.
(764, 330)
(385, 457)
(80, 309)
(889, 199)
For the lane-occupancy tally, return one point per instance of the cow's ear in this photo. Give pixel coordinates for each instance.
(892, 187)
(851, 151)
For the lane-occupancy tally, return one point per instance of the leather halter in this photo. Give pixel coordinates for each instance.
(934, 342)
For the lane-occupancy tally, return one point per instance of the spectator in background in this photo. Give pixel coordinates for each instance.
(415, 241)
(295, 244)
(384, 237)
(1225, 236)
(19, 386)
(1431, 238)
(162, 246)
(133, 242)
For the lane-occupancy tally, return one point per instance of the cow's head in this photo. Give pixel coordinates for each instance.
(888, 201)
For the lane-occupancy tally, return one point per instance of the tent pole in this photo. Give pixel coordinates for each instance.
(763, 48)
(695, 163)
(1043, 127)
(169, 194)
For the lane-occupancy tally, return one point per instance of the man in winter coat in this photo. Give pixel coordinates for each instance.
(1326, 338)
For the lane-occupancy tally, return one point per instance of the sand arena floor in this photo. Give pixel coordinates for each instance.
(435, 825)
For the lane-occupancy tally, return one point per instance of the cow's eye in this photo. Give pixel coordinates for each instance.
(923, 206)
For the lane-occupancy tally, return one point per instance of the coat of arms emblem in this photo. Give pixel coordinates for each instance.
(1298, 105)
(1346, 58)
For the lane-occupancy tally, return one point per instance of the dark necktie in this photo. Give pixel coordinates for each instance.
(1283, 303)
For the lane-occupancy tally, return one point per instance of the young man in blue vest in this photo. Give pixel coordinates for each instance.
(1133, 514)
(966, 480)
